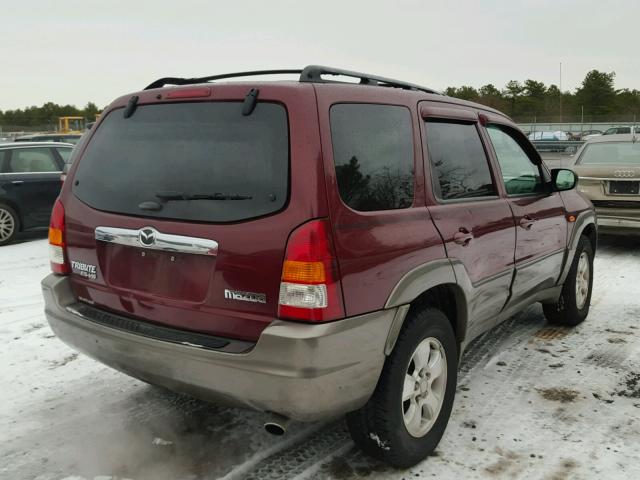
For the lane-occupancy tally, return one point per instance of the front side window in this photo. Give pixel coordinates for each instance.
(33, 160)
(521, 176)
(373, 155)
(458, 161)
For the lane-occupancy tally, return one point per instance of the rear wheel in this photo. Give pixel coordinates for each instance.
(408, 412)
(573, 305)
(9, 224)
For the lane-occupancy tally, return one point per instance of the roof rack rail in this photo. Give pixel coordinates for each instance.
(314, 73)
(191, 81)
(310, 74)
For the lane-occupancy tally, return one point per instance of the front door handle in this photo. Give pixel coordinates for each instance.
(463, 237)
(17, 182)
(527, 222)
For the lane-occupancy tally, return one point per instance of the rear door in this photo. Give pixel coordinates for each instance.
(33, 181)
(539, 214)
(467, 207)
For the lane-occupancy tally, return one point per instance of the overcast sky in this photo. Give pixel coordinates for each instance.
(70, 51)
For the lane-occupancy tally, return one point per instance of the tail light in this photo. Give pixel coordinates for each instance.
(310, 289)
(56, 240)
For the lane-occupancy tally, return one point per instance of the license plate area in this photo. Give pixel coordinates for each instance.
(173, 275)
(624, 188)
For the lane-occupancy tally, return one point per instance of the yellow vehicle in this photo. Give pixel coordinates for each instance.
(71, 124)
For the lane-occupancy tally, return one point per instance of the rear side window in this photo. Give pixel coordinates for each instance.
(32, 160)
(196, 161)
(373, 155)
(458, 161)
(65, 153)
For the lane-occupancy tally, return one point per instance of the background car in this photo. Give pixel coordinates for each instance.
(608, 168)
(29, 185)
(622, 130)
(587, 134)
(72, 138)
(549, 136)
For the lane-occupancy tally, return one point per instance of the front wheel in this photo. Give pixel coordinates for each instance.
(573, 305)
(409, 410)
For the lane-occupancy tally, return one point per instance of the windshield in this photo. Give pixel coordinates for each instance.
(206, 153)
(609, 153)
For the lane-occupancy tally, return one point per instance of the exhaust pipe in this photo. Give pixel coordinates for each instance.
(277, 425)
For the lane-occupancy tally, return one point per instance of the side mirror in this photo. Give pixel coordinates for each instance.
(563, 179)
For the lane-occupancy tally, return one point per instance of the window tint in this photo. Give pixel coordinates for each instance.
(65, 153)
(458, 161)
(3, 155)
(520, 174)
(624, 130)
(200, 161)
(30, 160)
(373, 155)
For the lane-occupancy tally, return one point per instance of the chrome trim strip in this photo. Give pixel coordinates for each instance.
(6, 174)
(610, 179)
(156, 240)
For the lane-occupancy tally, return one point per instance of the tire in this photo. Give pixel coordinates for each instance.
(9, 224)
(573, 307)
(379, 427)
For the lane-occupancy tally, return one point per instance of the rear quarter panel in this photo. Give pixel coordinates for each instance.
(375, 249)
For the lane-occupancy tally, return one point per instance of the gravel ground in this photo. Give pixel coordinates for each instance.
(533, 401)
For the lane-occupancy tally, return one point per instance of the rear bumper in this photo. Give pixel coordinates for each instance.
(618, 219)
(302, 371)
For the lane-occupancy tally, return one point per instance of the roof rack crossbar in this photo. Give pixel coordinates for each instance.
(311, 74)
(314, 73)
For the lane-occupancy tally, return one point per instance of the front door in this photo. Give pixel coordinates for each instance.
(539, 213)
(475, 222)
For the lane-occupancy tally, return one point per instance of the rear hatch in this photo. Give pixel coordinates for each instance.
(180, 213)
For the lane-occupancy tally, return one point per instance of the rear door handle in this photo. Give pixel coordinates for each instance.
(527, 222)
(463, 237)
(17, 182)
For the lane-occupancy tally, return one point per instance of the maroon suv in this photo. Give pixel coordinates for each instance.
(311, 248)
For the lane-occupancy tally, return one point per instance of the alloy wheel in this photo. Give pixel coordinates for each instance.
(424, 387)
(7, 225)
(583, 275)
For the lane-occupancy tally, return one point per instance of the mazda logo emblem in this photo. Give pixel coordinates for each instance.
(623, 173)
(147, 236)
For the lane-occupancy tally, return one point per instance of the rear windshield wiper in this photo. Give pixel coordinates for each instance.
(178, 196)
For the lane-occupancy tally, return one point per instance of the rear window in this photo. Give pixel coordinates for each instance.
(610, 153)
(196, 161)
(373, 155)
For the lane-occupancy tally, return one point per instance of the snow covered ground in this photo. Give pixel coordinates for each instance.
(533, 402)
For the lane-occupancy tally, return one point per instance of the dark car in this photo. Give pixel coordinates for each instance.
(29, 185)
(72, 138)
(311, 248)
